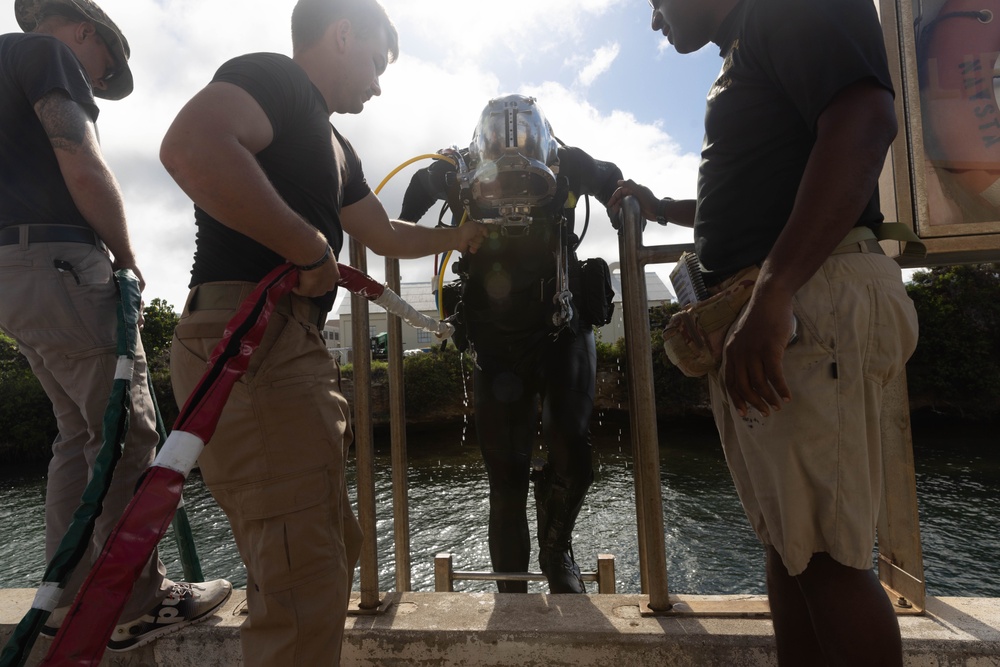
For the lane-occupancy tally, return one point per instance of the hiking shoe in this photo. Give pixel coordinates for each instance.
(185, 605)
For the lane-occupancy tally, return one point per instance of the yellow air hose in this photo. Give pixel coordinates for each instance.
(427, 156)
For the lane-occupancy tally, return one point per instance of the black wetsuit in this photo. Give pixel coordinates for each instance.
(522, 357)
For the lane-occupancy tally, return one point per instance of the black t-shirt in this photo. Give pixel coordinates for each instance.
(312, 167)
(785, 60)
(32, 188)
(511, 279)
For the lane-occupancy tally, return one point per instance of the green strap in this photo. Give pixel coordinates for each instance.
(183, 535)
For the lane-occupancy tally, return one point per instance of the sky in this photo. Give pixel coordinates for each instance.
(607, 83)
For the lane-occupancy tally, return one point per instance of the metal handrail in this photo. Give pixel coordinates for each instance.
(642, 402)
(445, 574)
(649, 509)
(397, 426)
(900, 558)
(364, 442)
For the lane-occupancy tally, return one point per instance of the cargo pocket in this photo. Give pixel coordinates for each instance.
(288, 529)
(91, 268)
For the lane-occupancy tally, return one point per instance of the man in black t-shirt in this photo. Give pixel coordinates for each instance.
(274, 182)
(63, 233)
(796, 131)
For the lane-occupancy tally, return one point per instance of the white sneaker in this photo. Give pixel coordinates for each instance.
(186, 604)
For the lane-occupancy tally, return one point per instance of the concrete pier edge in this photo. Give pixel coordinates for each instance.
(445, 629)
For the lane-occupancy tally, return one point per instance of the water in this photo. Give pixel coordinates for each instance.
(710, 548)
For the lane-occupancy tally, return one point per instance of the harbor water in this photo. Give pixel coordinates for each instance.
(710, 547)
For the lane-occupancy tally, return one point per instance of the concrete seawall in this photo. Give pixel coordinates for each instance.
(445, 629)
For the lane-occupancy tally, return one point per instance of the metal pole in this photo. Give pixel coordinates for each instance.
(397, 425)
(364, 437)
(900, 555)
(442, 573)
(642, 409)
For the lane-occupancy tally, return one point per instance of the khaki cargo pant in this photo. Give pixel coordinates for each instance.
(276, 467)
(65, 323)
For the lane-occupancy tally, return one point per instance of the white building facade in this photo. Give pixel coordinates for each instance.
(419, 296)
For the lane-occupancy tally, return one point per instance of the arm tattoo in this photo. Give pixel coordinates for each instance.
(65, 121)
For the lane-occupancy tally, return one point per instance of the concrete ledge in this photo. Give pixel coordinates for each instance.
(532, 630)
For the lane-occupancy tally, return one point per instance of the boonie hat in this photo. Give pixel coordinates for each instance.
(30, 12)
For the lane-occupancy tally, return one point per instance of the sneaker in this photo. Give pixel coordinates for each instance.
(185, 605)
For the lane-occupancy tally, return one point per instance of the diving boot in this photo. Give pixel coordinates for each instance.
(558, 508)
(562, 571)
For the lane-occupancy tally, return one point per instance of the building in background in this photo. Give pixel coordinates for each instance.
(419, 296)
(657, 294)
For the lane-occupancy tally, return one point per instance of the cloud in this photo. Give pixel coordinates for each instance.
(603, 58)
(455, 56)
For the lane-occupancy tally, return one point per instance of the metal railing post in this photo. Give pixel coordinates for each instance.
(364, 438)
(642, 409)
(606, 583)
(443, 569)
(397, 425)
(900, 555)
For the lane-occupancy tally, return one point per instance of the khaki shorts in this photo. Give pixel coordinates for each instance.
(810, 475)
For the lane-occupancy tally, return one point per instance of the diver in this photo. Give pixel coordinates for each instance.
(525, 308)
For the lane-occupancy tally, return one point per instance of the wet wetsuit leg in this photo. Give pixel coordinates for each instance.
(506, 418)
(568, 400)
(570, 370)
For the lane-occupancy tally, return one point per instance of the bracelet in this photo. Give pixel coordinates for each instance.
(318, 263)
(661, 210)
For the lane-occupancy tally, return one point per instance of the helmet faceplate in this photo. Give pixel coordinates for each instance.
(514, 159)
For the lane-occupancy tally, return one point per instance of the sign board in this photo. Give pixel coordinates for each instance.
(943, 173)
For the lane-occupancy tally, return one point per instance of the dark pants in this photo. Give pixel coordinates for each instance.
(508, 387)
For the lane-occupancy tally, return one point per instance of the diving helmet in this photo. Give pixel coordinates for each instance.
(513, 161)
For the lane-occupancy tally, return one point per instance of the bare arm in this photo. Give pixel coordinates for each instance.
(209, 151)
(853, 136)
(368, 222)
(88, 177)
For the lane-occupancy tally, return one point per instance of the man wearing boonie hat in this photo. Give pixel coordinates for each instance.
(62, 235)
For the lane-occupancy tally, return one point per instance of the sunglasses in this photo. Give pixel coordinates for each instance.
(113, 71)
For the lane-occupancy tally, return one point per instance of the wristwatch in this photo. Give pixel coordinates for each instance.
(661, 210)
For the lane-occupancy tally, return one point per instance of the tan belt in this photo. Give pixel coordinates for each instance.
(229, 296)
(859, 239)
